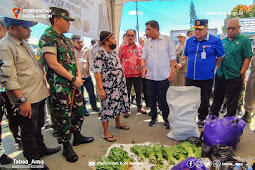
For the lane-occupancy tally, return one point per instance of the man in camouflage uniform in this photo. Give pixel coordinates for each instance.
(64, 79)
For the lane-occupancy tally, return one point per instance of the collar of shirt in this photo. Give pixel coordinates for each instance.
(13, 39)
(56, 33)
(237, 36)
(23, 43)
(128, 46)
(206, 38)
(77, 52)
(159, 37)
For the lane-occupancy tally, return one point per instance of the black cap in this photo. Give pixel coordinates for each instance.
(201, 23)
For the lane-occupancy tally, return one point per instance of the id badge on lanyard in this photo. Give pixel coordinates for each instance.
(203, 54)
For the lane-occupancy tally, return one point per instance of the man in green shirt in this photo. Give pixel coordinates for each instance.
(65, 81)
(231, 72)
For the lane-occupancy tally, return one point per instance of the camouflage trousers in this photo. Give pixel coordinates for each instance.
(67, 121)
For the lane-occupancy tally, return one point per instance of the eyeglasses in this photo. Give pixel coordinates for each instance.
(231, 28)
(130, 35)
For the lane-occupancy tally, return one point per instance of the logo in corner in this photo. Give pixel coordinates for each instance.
(190, 163)
(16, 11)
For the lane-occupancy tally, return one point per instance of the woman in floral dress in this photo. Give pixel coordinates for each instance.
(111, 83)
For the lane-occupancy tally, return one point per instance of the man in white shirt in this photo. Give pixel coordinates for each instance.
(158, 66)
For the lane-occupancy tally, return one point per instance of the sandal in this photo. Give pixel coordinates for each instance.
(107, 138)
(124, 127)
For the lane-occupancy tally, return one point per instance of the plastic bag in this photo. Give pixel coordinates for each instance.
(213, 131)
(206, 150)
(190, 163)
(227, 131)
(233, 130)
(195, 140)
(183, 102)
(222, 153)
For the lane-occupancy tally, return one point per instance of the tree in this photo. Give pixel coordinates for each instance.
(193, 14)
(240, 11)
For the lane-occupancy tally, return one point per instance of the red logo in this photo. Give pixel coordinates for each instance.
(16, 11)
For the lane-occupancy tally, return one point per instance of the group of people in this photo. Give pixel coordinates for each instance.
(150, 67)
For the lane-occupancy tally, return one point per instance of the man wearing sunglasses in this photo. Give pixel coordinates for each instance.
(232, 69)
(130, 57)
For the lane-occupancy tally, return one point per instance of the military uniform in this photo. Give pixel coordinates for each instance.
(67, 121)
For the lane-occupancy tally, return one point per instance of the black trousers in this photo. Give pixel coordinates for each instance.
(13, 119)
(206, 89)
(158, 90)
(31, 135)
(137, 82)
(145, 92)
(232, 89)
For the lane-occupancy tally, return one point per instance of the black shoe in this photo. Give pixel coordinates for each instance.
(152, 123)
(86, 113)
(5, 160)
(167, 126)
(80, 139)
(68, 152)
(247, 117)
(201, 123)
(96, 109)
(49, 151)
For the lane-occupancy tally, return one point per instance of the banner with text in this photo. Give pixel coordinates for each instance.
(91, 16)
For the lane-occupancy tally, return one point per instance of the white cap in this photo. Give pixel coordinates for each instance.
(181, 35)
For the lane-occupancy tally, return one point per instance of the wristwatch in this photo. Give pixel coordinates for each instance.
(22, 100)
(73, 79)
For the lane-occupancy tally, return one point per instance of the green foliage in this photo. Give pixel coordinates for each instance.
(140, 151)
(240, 11)
(155, 153)
(193, 14)
(114, 161)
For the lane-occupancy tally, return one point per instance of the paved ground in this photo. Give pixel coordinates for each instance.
(139, 132)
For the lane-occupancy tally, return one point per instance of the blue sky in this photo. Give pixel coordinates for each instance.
(171, 15)
(174, 15)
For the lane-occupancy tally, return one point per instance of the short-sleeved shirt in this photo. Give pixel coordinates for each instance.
(235, 52)
(58, 44)
(130, 58)
(158, 54)
(200, 67)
